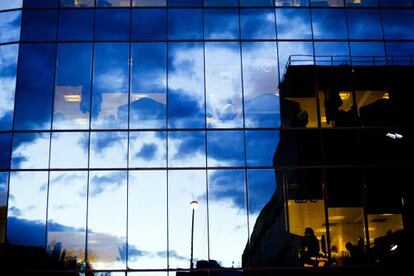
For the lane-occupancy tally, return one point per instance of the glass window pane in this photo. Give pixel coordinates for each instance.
(221, 24)
(186, 148)
(223, 85)
(149, 24)
(112, 24)
(261, 187)
(147, 149)
(149, 3)
(398, 24)
(26, 221)
(185, 3)
(366, 53)
(299, 53)
(10, 4)
(258, 3)
(66, 227)
(257, 24)
(364, 24)
(226, 202)
(185, 24)
(76, 24)
(147, 219)
(184, 187)
(148, 85)
(113, 3)
(293, 24)
(107, 241)
(110, 86)
(41, 3)
(329, 24)
(108, 150)
(38, 25)
(186, 101)
(261, 147)
(73, 86)
(34, 92)
(260, 82)
(400, 53)
(77, 3)
(6, 145)
(332, 53)
(225, 148)
(219, 3)
(4, 184)
(8, 68)
(327, 3)
(396, 3)
(69, 150)
(362, 3)
(10, 26)
(287, 3)
(30, 151)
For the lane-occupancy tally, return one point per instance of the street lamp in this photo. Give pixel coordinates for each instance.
(193, 206)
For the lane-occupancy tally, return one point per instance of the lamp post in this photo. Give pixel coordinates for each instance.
(193, 206)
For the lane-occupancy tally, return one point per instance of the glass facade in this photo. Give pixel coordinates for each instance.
(116, 114)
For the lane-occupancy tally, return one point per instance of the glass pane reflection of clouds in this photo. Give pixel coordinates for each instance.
(69, 150)
(329, 24)
(10, 26)
(147, 149)
(257, 24)
(221, 24)
(261, 147)
(76, 24)
(6, 145)
(147, 223)
(223, 85)
(30, 151)
(186, 107)
(26, 222)
(110, 86)
(10, 4)
(225, 148)
(8, 67)
(227, 216)
(73, 87)
(293, 24)
(184, 187)
(260, 82)
(112, 3)
(149, 3)
(261, 187)
(107, 222)
(4, 184)
(77, 3)
(108, 149)
(67, 214)
(186, 148)
(148, 85)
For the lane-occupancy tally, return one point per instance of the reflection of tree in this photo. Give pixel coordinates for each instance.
(63, 258)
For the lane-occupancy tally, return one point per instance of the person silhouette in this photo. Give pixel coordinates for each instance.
(310, 247)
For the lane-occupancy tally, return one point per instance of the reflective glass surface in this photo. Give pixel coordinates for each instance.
(112, 3)
(398, 24)
(221, 24)
(8, 67)
(225, 148)
(69, 150)
(186, 101)
(147, 224)
(76, 24)
(73, 86)
(30, 151)
(10, 4)
(258, 3)
(26, 221)
(6, 146)
(185, 3)
(149, 3)
(10, 26)
(224, 3)
(110, 86)
(364, 24)
(260, 147)
(148, 86)
(78, 3)
(293, 24)
(147, 149)
(4, 184)
(33, 107)
(108, 149)
(40, 3)
(38, 25)
(223, 85)
(257, 24)
(149, 24)
(107, 241)
(329, 24)
(185, 23)
(186, 148)
(112, 24)
(66, 225)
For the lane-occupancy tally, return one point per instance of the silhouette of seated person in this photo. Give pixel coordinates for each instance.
(355, 251)
(310, 248)
(336, 116)
(294, 115)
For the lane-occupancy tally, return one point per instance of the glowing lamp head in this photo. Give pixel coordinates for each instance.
(193, 204)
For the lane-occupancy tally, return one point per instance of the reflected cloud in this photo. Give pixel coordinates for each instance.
(30, 151)
(108, 181)
(10, 26)
(228, 186)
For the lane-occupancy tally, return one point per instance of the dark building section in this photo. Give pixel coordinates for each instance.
(345, 150)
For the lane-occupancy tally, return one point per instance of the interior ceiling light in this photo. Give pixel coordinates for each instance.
(394, 136)
(75, 98)
(344, 95)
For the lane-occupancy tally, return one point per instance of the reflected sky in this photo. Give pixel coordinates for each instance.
(10, 4)
(30, 151)
(8, 64)
(108, 149)
(4, 184)
(147, 149)
(10, 26)
(69, 150)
